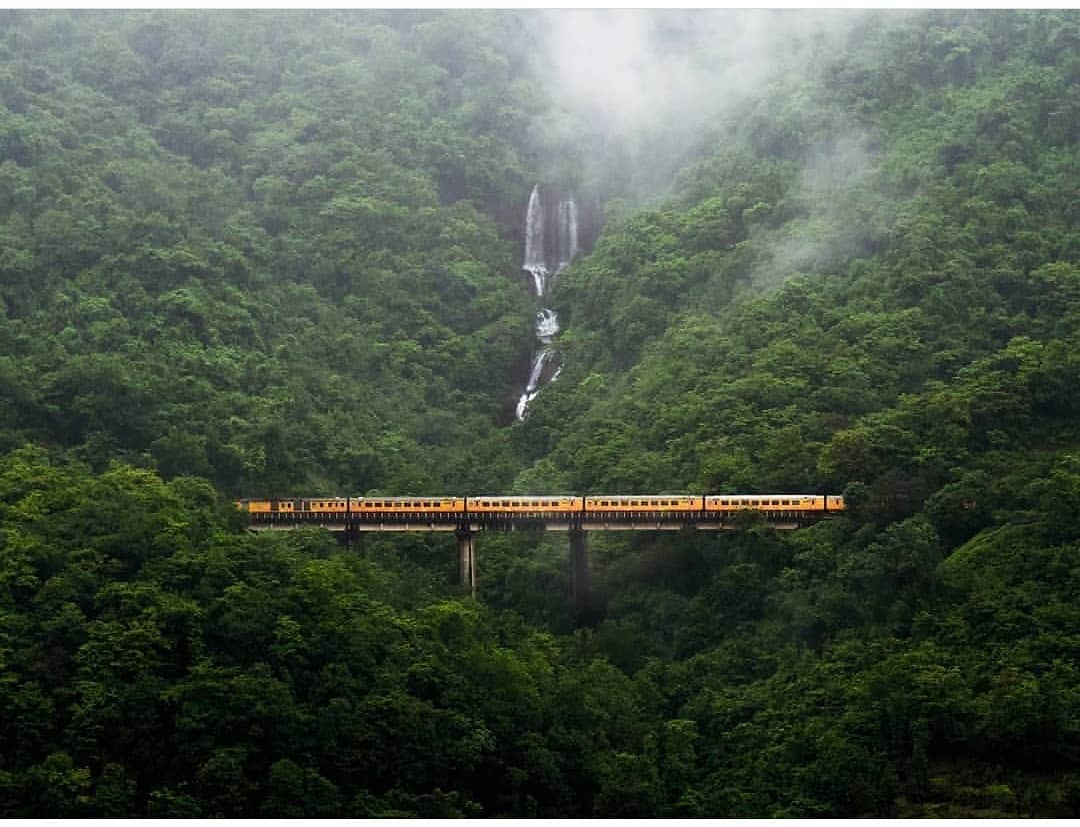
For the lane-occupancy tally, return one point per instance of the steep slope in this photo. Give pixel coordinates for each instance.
(910, 212)
(259, 247)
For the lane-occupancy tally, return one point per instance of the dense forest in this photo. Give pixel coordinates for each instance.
(278, 253)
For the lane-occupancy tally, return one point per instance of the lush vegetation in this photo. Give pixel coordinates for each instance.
(254, 247)
(270, 253)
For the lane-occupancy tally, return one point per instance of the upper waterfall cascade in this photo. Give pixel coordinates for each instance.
(562, 243)
(535, 262)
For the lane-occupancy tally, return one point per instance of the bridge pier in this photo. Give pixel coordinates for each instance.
(466, 544)
(579, 569)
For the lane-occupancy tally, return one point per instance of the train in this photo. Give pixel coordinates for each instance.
(590, 507)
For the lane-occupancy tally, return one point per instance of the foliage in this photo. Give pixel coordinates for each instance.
(274, 253)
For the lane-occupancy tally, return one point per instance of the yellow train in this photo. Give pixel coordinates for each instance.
(774, 502)
(537, 506)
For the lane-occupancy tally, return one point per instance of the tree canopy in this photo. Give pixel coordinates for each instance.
(276, 254)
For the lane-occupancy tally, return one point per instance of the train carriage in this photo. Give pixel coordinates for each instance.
(524, 506)
(779, 504)
(653, 506)
(428, 509)
(268, 511)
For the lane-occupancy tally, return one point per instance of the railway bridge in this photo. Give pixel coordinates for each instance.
(466, 517)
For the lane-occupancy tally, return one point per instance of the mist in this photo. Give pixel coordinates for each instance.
(645, 87)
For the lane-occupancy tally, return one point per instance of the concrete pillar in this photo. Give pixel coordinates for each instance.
(579, 569)
(466, 544)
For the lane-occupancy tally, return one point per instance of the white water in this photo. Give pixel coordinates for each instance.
(547, 325)
(568, 228)
(536, 265)
(535, 262)
(533, 388)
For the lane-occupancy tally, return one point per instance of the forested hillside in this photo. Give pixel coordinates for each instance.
(278, 253)
(260, 248)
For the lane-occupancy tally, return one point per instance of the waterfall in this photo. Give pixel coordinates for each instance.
(533, 387)
(535, 262)
(547, 325)
(568, 229)
(565, 244)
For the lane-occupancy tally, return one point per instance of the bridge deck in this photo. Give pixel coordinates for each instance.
(526, 525)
